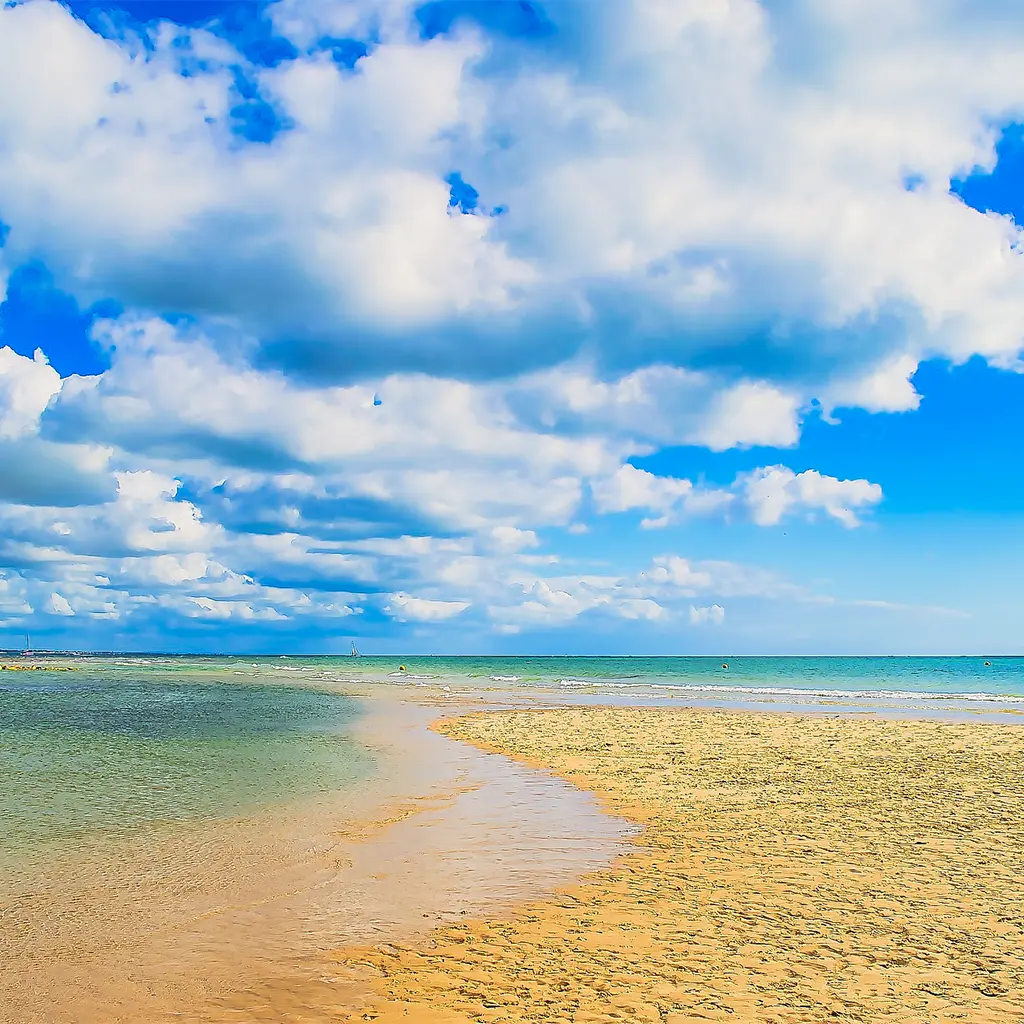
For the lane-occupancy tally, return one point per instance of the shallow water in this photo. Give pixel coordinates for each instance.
(95, 751)
(208, 918)
(825, 677)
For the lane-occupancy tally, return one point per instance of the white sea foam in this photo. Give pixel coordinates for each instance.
(795, 691)
(505, 679)
(718, 689)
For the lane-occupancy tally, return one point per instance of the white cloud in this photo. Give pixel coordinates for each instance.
(206, 607)
(752, 414)
(661, 593)
(674, 576)
(511, 538)
(26, 388)
(454, 450)
(60, 605)
(774, 491)
(642, 608)
(152, 518)
(421, 609)
(556, 602)
(372, 393)
(713, 614)
(770, 219)
(630, 488)
(769, 493)
(680, 573)
(886, 388)
(158, 176)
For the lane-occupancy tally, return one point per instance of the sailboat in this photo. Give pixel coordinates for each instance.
(28, 645)
(354, 653)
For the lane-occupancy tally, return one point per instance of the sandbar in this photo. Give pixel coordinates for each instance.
(790, 869)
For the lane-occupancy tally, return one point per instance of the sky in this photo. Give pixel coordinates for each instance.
(663, 327)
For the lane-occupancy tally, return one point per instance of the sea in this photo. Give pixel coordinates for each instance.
(109, 746)
(112, 744)
(803, 678)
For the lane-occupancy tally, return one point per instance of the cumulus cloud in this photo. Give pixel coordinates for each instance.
(336, 383)
(236, 494)
(713, 614)
(751, 414)
(37, 472)
(26, 387)
(630, 488)
(770, 224)
(775, 491)
(511, 538)
(558, 601)
(159, 178)
(887, 388)
(679, 573)
(421, 609)
(768, 493)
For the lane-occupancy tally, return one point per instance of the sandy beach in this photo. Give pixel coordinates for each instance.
(566, 864)
(791, 868)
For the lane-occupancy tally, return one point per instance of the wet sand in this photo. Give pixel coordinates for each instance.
(791, 869)
(234, 920)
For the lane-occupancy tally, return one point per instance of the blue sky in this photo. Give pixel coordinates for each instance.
(512, 327)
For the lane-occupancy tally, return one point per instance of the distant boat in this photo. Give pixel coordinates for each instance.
(28, 645)
(354, 653)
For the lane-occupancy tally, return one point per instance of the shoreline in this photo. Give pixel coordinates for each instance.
(855, 868)
(205, 921)
(400, 873)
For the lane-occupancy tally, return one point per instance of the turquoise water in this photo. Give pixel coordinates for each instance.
(968, 678)
(964, 677)
(111, 748)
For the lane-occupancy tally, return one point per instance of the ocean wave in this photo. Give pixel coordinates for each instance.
(794, 691)
(603, 684)
(505, 679)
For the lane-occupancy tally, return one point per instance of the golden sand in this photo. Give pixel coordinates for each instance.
(790, 869)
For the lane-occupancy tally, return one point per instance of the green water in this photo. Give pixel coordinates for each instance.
(111, 749)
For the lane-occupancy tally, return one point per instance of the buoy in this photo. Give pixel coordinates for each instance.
(724, 665)
(401, 668)
(988, 662)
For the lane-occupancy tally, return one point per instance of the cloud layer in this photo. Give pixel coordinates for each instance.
(398, 314)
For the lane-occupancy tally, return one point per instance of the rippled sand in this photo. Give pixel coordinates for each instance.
(791, 869)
